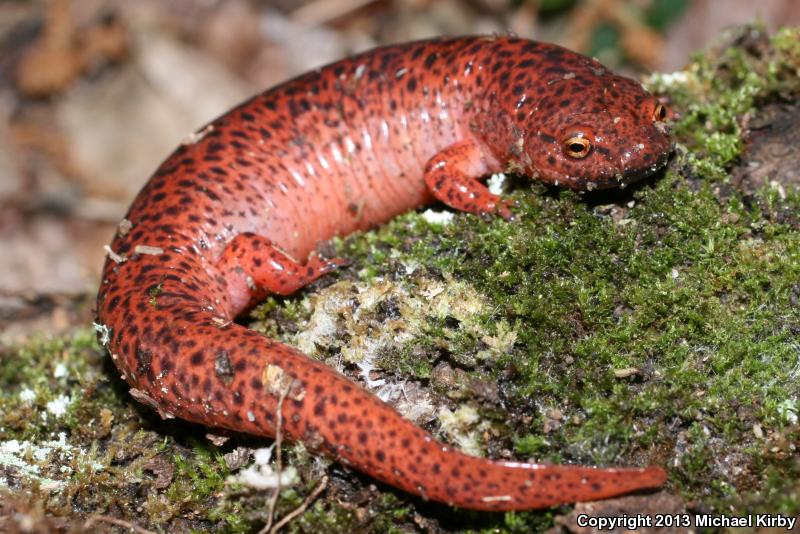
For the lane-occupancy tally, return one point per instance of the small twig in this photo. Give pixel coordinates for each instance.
(278, 460)
(114, 521)
(303, 507)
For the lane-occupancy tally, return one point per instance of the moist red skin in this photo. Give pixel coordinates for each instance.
(233, 214)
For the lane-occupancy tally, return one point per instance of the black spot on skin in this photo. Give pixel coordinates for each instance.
(604, 151)
(215, 146)
(197, 358)
(412, 84)
(547, 138)
(430, 60)
(362, 438)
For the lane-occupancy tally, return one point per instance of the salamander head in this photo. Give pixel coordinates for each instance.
(602, 131)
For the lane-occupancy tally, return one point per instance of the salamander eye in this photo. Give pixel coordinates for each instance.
(577, 146)
(659, 113)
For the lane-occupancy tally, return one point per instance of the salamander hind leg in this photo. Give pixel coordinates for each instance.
(452, 177)
(254, 267)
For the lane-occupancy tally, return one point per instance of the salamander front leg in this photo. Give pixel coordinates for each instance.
(452, 176)
(255, 267)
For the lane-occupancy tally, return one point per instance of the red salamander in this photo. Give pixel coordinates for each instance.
(235, 213)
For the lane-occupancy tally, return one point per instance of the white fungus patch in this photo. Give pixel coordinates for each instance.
(366, 365)
(61, 370)
(495, 183)
(260, 475)
(410, 399)
(411, 266)
(104, 333)
(58, 406)
(668, 79)
(367, 325)
(438, 217)
(27, 395)
(460, 426)
(382, 318)
(31, 461)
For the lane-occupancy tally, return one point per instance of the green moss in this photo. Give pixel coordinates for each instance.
(198, 475)
(716, 93)
(70, 436)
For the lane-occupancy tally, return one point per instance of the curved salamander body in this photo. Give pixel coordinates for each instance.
(235, 213)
